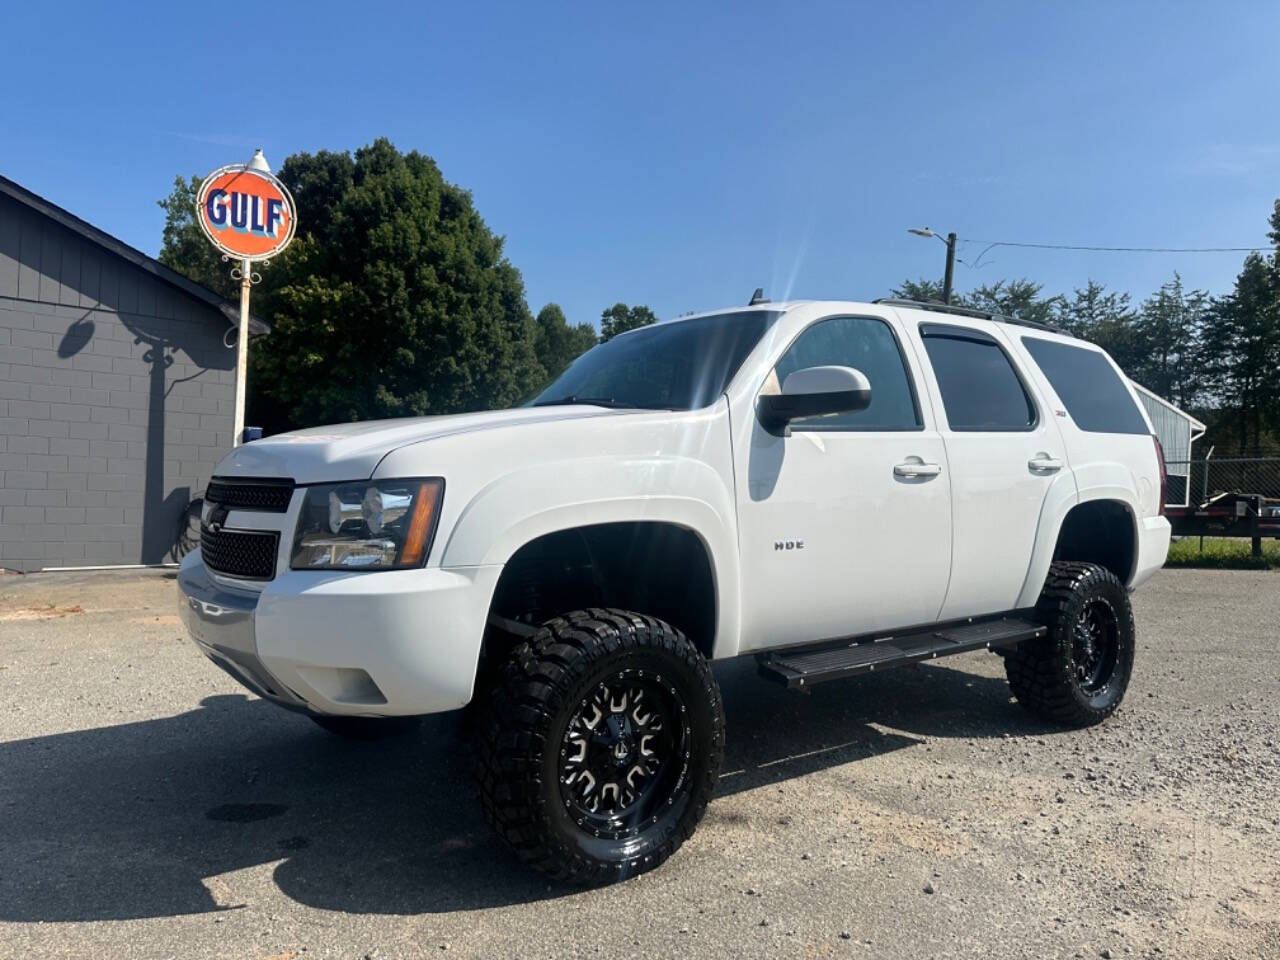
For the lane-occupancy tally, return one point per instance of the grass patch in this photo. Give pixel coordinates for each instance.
(1223, 553)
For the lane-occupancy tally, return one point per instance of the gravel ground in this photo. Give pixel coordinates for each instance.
(149, 809)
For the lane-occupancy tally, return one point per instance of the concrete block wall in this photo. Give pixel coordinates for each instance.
(116, 400)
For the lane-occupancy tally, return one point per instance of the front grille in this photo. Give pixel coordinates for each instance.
(267, 496)
(251, 556)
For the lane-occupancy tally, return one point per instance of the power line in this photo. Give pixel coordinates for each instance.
(1070, 246)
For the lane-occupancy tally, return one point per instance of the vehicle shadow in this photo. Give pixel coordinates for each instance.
(132, 820)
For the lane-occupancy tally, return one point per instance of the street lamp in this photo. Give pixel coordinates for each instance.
(950, 241)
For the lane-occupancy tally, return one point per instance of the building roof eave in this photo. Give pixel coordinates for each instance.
(1196, 425)
(130, 254)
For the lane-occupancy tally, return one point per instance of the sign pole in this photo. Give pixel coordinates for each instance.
(242, 352)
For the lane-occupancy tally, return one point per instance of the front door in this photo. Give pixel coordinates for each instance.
(845, 525)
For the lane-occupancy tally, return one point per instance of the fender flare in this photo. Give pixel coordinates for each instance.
(1051, 521)
(498, 520)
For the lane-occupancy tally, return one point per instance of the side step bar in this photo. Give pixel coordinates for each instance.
(804, 667)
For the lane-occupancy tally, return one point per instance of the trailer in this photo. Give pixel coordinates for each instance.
(1242, 515)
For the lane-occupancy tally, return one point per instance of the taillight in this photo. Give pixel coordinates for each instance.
(1164, 474)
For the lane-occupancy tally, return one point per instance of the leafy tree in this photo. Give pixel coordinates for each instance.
(922, 289)
(558, 344)
(620, 318)
(394, 299)
(185, 248)
(1015, 298)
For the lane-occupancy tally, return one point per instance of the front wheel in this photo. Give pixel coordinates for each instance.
(599, 746)
(1077, 674)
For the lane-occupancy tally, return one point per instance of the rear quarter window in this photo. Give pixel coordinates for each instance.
(1095, 397)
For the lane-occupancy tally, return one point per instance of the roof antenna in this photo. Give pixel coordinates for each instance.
(758, 297)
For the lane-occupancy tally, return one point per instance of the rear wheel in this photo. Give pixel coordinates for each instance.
(1077, 674)
(599, 746)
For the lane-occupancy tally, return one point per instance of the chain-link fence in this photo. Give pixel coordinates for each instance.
(1192, 482)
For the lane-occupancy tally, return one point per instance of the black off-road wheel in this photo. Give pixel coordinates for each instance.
(599, 745)
(1077, 674)
(367, 728)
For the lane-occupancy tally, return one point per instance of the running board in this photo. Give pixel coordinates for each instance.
(806, 666)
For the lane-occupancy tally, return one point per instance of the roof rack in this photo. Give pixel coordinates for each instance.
(937, 307)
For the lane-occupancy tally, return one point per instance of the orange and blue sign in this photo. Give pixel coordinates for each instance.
(248, 214)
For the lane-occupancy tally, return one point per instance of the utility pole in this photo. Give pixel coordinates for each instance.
(949, 274)
(951, 268)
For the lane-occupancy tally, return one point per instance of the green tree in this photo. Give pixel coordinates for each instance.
(394, 299)
(1085, 311)
(1012, 298)
(1015, 298)
(1242, 347)
(1105, 317)
(184, 246)
(558, 344)
(922, 289)
(1170, 327)
(620, 318)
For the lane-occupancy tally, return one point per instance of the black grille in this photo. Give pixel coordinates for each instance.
(248, 555)
(267, 496)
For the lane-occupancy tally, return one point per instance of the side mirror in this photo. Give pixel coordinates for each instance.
(813, 392)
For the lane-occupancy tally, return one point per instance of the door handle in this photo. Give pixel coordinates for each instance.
(914, 469)
(1043, 463)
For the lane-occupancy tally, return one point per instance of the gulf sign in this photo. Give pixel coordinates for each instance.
(247, 214)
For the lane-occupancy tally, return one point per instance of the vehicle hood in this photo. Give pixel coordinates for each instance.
(351, 451)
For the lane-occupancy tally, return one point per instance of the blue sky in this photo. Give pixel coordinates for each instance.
(682, 154)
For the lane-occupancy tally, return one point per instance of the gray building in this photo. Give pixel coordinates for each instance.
(116, 392)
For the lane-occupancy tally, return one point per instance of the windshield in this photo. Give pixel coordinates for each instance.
(682, 365)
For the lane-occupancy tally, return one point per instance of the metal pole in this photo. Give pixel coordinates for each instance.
(242, 351)
(1255, 513)
(951, 268)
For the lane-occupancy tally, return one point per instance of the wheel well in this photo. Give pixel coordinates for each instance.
(1101, 532)
(654, 568)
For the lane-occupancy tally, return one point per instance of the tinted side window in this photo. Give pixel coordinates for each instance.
(1089, 386)
(868, 345)
(980, 388)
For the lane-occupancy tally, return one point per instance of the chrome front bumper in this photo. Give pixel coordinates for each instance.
(222, 625)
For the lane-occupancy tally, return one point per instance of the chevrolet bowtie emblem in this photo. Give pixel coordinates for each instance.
(214, 516)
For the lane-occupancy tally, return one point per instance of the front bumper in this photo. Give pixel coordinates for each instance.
(221, 624)
(391, 643)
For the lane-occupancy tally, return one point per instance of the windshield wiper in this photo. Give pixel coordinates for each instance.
(588, 401)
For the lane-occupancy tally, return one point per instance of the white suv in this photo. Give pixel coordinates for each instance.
(831, 487)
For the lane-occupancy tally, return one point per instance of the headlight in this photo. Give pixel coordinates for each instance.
(370, 525)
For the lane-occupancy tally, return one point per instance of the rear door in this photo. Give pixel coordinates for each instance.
(1004, 451)
(1107, 435)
